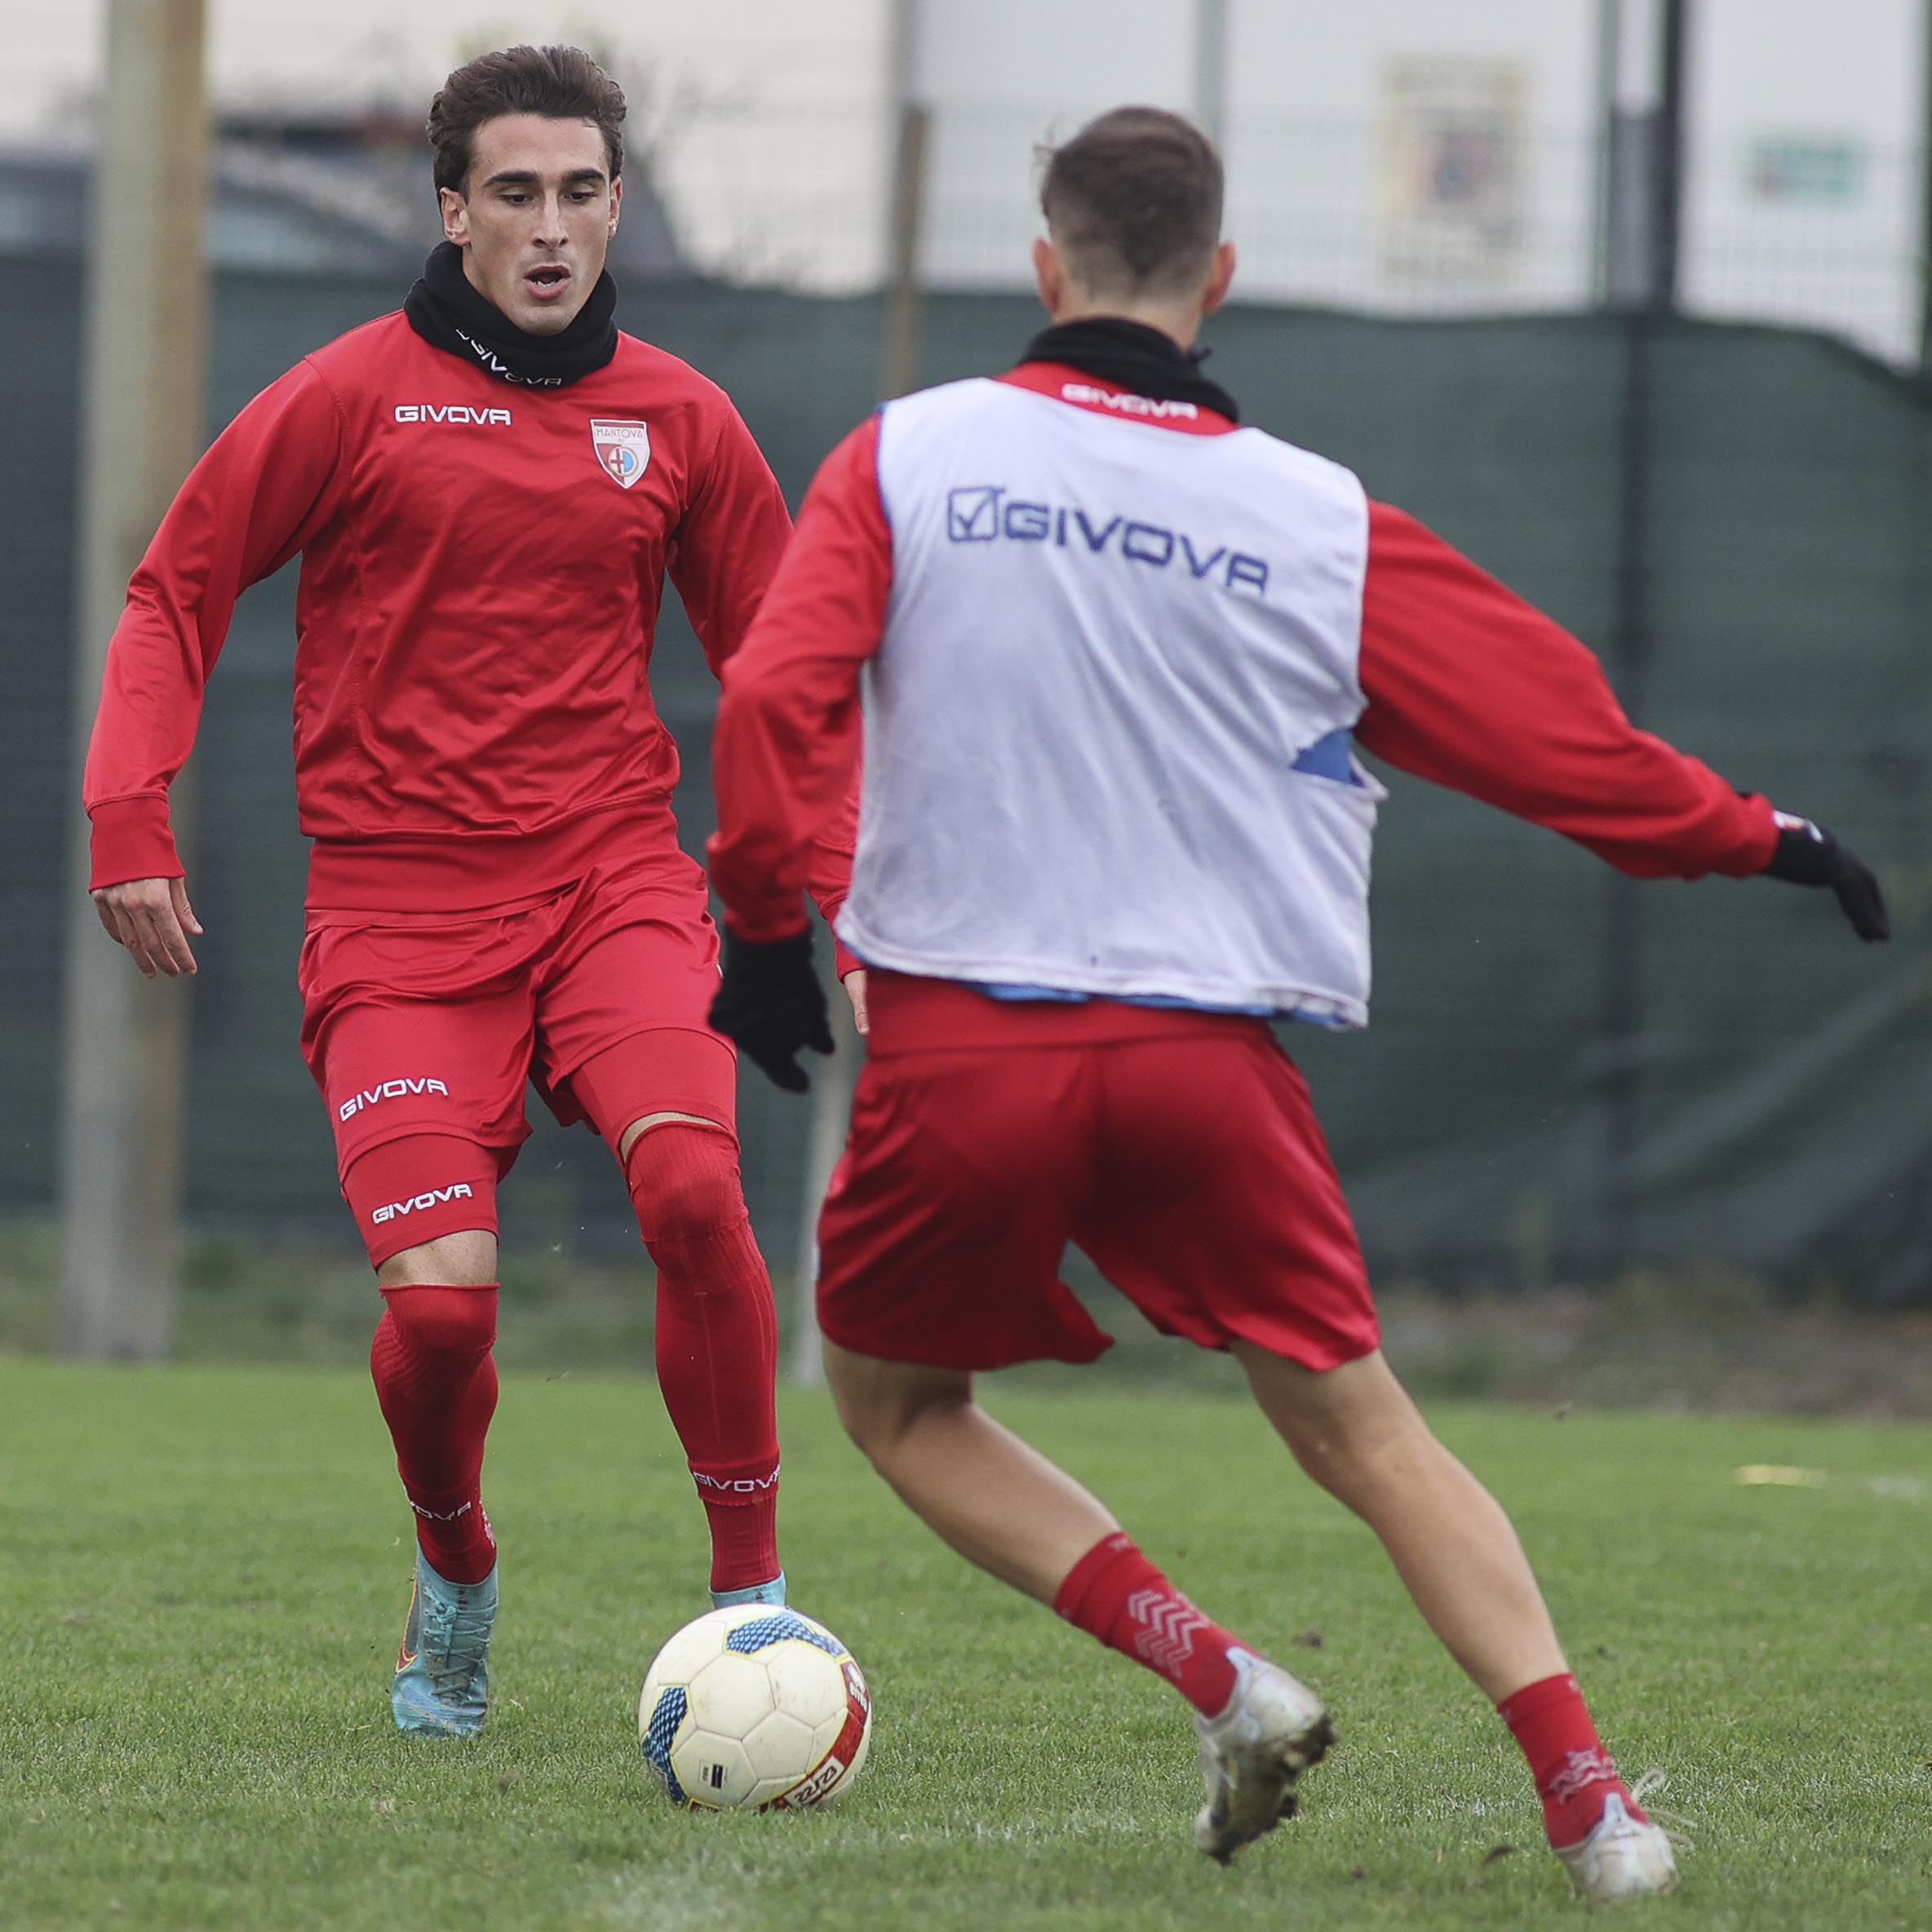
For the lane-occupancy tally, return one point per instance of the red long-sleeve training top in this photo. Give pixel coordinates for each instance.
(1465, 683)
(482, 568)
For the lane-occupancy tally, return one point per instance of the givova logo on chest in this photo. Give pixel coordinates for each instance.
(452, 412)
(991, 513)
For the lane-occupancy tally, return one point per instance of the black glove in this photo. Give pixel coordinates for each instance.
(772, 1004)
(1807, 854)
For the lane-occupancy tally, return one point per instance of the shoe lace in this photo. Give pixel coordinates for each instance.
(1675, 1827)
(454, 1643)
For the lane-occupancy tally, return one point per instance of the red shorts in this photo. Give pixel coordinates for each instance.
(1179, 1149)
(429, 1028)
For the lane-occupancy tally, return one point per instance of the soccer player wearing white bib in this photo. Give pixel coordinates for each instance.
(1117, 652)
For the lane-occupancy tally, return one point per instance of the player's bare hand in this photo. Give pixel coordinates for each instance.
(854, 983)
(152, 918)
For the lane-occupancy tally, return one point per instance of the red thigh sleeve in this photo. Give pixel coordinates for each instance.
(669, 1069)
(419, 1188)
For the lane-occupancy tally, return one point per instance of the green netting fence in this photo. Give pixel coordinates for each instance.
(1568, 1074)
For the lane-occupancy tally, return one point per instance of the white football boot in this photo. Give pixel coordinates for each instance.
(1273, 1731)
(1623, 1858)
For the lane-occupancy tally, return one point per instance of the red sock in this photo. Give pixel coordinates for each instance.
(1115, 1594)
(436, 1380)
(717, 1339)
(1575, 1774)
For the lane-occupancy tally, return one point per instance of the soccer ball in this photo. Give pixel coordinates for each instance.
(756, 1708)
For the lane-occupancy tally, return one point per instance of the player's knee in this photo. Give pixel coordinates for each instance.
(1361, 1459)
(685, 1182)
(874, 1421)
(444, 1325)
(881, 1402)
(1349, 1427)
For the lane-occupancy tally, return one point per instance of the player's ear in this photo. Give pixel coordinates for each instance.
(1049, 275)
(456, 216)
(1219, 276)
(617, 203)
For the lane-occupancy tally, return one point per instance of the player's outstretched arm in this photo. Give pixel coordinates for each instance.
(1471, 687)
(257, 496)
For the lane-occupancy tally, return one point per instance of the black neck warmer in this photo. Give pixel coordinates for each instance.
(445, 310)
(1145, 361)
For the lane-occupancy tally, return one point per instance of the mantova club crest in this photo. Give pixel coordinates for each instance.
(623, 449)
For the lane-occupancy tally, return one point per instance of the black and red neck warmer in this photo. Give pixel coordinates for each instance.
(1142, 361)
(448, 311)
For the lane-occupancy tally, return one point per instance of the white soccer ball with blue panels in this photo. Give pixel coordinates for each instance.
(754, 1708)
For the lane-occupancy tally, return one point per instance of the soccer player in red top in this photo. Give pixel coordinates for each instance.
(1118, 651)
(487, 490)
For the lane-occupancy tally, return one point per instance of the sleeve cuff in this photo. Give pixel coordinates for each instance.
(1763, 844)
(131, 839)
(769, 931)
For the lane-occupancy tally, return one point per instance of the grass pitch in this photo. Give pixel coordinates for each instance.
(203, 1573)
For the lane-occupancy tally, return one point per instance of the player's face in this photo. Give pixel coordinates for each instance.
(535, 217)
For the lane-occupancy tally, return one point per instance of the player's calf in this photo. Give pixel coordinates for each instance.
(717, 1345)
(1355, 1431)
(436, 1380)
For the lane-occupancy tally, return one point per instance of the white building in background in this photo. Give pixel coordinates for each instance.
(1407, 155)
(1396, 154)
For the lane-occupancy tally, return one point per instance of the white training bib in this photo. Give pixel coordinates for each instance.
(1107, 648)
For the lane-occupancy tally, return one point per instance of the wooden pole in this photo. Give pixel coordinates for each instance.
(143, 397)
(899, 360)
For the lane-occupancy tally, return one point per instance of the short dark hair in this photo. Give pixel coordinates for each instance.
(560, 83)
(1133, 201)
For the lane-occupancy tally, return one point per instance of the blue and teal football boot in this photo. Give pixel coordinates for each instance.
(759, 1592)
(442, 1671)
